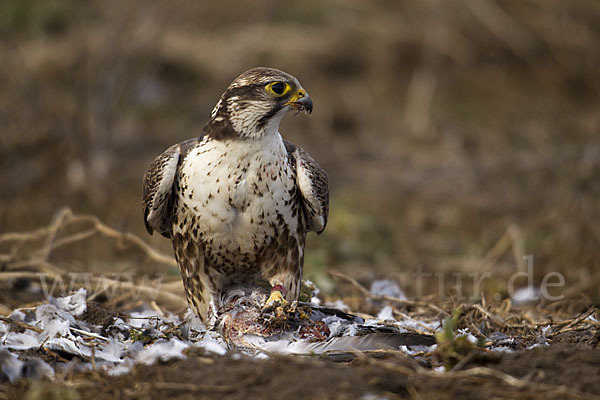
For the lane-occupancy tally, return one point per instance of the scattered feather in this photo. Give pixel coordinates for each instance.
(525, 295)
(75, 304)
(162, 350)
(10, 366)
(387, 287)
(386, 314)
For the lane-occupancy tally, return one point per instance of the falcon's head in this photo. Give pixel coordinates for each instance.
(255, 102)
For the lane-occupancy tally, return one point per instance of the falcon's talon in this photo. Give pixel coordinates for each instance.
(291, 308)
(275, 301)
(280, 313)
(303, 315)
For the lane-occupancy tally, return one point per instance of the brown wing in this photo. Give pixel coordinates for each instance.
(313, 183)
(158, 188)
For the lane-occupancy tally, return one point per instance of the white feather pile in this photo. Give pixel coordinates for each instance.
(146, 337)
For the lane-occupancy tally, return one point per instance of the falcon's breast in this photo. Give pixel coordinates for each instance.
(237, 193)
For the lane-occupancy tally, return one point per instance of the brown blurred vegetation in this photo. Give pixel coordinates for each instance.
(441, 123)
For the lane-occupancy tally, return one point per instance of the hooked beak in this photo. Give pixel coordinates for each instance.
(301, 101)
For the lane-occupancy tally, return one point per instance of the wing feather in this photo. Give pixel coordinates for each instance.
(313, 183)
(158, 187)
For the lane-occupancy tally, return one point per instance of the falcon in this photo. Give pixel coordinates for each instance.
(238, 201)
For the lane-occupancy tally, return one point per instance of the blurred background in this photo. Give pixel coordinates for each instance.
(458, 135)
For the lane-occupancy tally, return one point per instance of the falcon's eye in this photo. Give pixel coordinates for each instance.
(278, 89)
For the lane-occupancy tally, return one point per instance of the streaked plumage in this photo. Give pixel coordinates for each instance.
(238, 201)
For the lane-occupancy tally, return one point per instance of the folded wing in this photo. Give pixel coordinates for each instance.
(313, 183)
(158, 188)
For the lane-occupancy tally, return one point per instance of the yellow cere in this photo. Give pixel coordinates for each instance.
(298, 95)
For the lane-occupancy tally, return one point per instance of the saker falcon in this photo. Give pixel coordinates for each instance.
(238, 201)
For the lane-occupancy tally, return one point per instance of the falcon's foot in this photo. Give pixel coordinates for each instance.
(277, 312)
(276, 299)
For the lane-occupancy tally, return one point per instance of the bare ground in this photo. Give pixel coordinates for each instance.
(555, 372)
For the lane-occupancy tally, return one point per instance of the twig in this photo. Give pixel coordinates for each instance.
(487, 372)
(76, 237)
(512, 238)
(54, 228)
(56, 355)
(571, 325)
(90, 334)
(498, 320)
(127, 236)
(565, 330)
(64, 218)
(464, 361)
(132, 286)
(583, 316)
(4, 310)
(516, 382)
(368, 294)
(4, 276)
(39, 264)
(428, 330)
(94, 357)
(21, 324)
